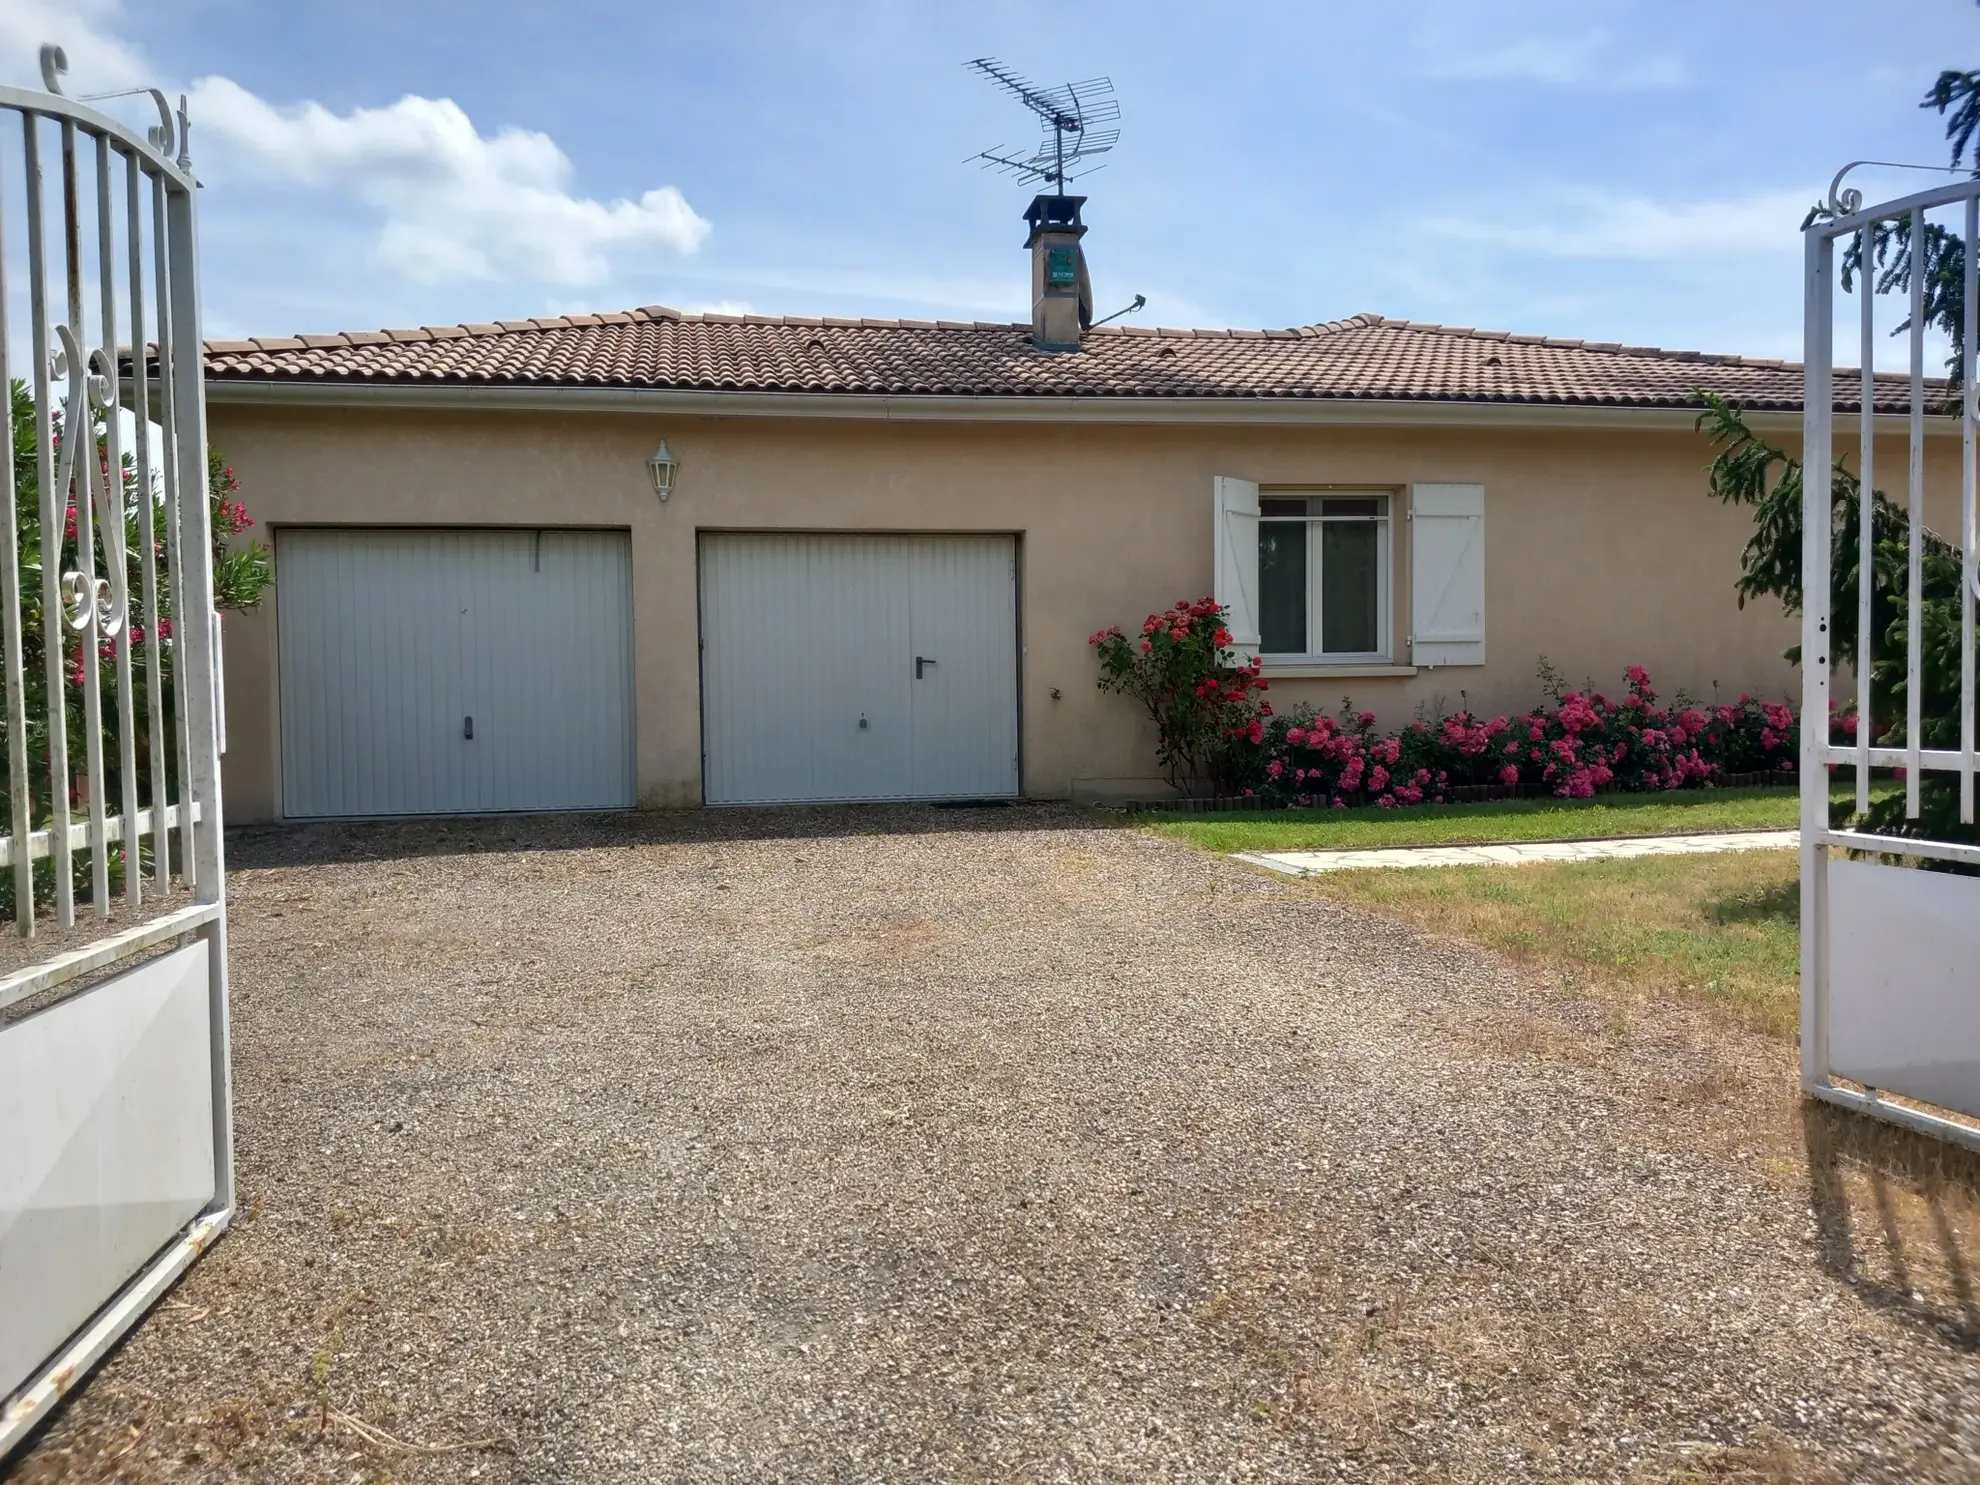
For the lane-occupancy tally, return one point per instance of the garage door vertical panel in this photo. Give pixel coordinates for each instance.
(743, 604)
(580, 620)
(804, 637)
(505, 673)
(855, 653)
(759, 694)
(489, 635)
(368, 671)
(964, 605)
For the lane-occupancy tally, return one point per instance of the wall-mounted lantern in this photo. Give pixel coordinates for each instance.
(662, 466)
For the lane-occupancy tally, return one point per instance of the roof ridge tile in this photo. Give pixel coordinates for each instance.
(1362, 357)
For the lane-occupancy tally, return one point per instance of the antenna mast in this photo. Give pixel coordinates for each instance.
(1068, 114)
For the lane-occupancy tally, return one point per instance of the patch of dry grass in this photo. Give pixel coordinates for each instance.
(1722, 932)
(1898, 1212)
(891, 937)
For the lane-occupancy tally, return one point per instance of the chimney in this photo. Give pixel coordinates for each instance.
(1061, 295)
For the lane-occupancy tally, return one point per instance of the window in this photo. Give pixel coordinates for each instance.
(1323, 575)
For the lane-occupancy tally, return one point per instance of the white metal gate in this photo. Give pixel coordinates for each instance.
(116, 1149)
(1890, 954)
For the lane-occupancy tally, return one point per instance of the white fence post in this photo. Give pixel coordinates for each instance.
(1817, 409)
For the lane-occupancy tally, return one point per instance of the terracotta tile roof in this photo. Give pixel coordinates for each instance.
(1365, 357)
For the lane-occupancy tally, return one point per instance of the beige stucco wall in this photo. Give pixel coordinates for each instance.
(1603, 548)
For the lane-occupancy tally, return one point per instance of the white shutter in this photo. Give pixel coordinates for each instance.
(1236, 516)
(1447, 574)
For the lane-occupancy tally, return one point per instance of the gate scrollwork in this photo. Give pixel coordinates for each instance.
(87, 598)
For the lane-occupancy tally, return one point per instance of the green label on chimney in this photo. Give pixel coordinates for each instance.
(1061, 267)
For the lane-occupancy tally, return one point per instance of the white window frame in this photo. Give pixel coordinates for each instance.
(1385, 549)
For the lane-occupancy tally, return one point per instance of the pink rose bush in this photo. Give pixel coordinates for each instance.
(1208, 705)
(1216, 733)
(1582, 743)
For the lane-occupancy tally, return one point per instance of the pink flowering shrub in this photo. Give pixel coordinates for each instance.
(1208, 707)
(1579, 744)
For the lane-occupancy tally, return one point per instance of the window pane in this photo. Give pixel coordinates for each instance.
(1280, 505)
(1282, 587)
(1360, 505)
(1349, 588)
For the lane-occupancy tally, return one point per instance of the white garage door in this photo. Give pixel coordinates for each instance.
(454, 672)
(858, 667)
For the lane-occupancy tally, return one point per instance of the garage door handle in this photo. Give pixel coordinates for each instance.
(919, 662)
(467, 728)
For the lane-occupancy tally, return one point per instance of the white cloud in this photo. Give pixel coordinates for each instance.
(1594, 224)
(1586, 60)
(959, 297)
(456, 202)
(453, 203)
(97, 62)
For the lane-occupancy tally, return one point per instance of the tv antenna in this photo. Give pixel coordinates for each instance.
(1068, 113)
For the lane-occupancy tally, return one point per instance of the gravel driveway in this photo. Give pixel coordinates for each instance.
(902, 1144)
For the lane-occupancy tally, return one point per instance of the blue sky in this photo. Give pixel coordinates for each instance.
(1618, 171)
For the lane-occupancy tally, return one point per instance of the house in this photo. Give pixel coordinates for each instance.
(869, 561)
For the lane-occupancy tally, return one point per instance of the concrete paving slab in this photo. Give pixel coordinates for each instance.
(1522, 853)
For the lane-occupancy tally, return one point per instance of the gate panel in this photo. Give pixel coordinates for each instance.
(109, 1095)
(116, 1140)
(1890, 918)
(1904, 947)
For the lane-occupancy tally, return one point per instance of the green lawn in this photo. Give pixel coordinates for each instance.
(1684, 813)
(1721, 931)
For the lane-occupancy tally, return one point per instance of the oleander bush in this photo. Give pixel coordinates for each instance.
(242, 570)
